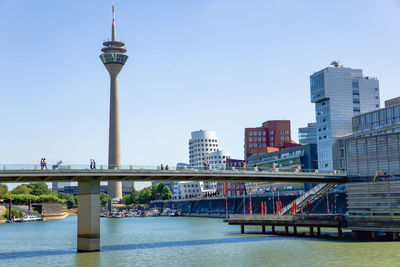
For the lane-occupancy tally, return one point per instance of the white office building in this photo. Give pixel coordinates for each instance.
(192, 189)
(217, 159)
(201, 143)
(339, 94)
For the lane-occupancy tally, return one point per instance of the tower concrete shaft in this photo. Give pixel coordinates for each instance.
(113, 58)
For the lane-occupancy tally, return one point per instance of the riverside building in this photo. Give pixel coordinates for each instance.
(339, 94)
(271, 136)
(201, 143)
(374, 145)
(308, 135)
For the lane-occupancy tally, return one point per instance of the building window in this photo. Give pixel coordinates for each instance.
(376, 97)
(356, 109)
(271, 138)
(282, 138)
(287, 138)
(250, 133)
(250, 145)
(259, 138)
(250, 139)
(281, 132)
(271, 144)
(263, 139)
(286, 132)
(254, 133)
(271, 132)
(264, 133)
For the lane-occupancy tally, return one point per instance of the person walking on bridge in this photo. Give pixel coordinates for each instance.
(44, 163)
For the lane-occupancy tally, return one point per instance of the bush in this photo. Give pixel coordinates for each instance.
(15, 213)
(69, 199)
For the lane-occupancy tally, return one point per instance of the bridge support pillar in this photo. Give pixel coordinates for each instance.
(88, 216)
(286, 230)
(318, 231)
(311, 231)
(273, 229)
(339, 232)
(242, 228)
(295, 230)
(263, 229)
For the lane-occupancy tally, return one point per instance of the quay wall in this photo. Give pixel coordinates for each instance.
(216, 207)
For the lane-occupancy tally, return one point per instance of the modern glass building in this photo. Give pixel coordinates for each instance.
(374, 145)
(308, 135)
(339, 94)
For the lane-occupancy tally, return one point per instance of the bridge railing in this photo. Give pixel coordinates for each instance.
(37, 167)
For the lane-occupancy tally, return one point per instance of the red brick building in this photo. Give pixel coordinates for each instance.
(231, 189)
(270, 137)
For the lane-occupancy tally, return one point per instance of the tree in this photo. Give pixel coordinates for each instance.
(3, 190)
(127, 199)
(39, 188)
(145, 195)
(166, 193)
(135, 195)
(156, 191)
(22, 189)
(104, 198)
(69, 199)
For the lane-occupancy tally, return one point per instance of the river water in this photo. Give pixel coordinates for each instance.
(181, 241)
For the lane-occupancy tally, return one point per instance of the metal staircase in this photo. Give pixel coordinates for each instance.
(311, 195)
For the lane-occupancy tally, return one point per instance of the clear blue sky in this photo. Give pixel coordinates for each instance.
(219, 65)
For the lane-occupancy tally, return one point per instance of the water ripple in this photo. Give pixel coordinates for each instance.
(57, 252)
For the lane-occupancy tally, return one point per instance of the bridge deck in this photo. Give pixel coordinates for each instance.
(312, 220)
(162, 175)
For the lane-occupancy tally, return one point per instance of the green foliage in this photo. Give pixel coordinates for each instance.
(104, 198)
(127, 199)
(166, 193)
(15, 213)
(22, 189)
(156, 191)
(145, 195)
(24, 198)
(3, 190)
(39, 188)
(69, 199)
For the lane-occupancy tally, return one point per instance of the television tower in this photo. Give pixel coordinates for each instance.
(114, 58)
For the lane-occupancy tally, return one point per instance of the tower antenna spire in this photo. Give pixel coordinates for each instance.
(113, 35)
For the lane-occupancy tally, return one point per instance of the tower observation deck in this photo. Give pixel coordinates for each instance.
(114, 58)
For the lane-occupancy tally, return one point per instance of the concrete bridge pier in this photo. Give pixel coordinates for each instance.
(88, 216)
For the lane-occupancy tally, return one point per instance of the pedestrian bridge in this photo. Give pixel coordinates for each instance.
(34, 173)
(88, 234)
